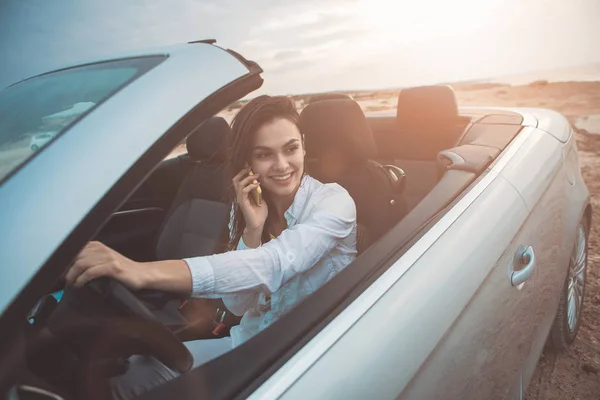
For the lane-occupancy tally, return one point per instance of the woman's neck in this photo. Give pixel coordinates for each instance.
(280, 204)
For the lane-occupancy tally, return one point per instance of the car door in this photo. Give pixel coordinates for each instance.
(540, 175)
(451, 319)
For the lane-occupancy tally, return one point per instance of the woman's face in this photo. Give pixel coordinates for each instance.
(278, 157)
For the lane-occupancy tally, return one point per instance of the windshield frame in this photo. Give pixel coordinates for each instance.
(142, 69)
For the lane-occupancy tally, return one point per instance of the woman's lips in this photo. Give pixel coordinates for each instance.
(283, 179)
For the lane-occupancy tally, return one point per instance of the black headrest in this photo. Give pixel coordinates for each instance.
(209, 142)
(328, 96)
(338, 125)
(430, 105)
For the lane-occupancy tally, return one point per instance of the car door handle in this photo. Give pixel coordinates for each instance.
(525, 258)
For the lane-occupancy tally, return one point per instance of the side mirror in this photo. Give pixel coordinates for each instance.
(397, 177)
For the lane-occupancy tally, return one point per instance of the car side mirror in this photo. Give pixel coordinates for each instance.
(397, 177)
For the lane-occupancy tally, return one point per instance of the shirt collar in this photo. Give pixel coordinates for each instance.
(293, 212)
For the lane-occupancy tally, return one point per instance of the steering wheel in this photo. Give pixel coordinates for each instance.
(105, 320)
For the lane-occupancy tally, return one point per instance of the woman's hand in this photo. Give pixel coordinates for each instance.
(97, 260)
(254, 215)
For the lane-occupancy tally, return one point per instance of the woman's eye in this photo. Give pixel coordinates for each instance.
(291, 150)
(261, 155)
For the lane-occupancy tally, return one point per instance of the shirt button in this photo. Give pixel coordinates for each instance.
(291, 256)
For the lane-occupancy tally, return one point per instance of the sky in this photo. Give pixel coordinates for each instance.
(314, 45)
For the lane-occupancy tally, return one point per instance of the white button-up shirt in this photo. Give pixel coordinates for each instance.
(264, 283)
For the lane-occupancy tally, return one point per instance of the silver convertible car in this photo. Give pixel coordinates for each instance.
(472, 254)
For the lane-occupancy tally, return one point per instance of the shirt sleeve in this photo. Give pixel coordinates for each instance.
(273, 264)
(239, 303)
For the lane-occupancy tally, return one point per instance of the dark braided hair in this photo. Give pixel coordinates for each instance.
(259, 111)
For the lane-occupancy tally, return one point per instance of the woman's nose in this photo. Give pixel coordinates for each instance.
(281, 163)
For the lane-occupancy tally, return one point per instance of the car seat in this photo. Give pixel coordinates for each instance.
(339, 148)
(196, 223)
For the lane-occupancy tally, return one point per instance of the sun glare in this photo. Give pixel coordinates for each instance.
(426, 19)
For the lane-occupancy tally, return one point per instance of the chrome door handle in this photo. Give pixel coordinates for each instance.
(526, 258)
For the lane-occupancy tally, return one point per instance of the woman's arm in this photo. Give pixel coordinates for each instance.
(96, 260)
(273, 264)
(252, 237)
(265, 268)
(254, 215)
(239, 303)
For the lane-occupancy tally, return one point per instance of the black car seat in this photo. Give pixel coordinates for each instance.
(328, 96)
(196, 223)
(339, 148)
(428, 122)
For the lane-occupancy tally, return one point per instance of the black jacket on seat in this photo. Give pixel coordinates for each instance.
(196, 223)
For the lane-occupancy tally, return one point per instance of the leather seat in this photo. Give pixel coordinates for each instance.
(339, 148)
(427, 123)
(328, 96)
(196, 223)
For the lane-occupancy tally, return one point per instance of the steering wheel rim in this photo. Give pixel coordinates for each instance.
(95, 382)
(112, 289)
(103, 307)
(105, 320)
(126, 300)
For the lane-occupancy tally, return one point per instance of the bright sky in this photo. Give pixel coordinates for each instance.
(314, 45)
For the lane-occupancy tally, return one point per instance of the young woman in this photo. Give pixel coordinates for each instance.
(284, 247)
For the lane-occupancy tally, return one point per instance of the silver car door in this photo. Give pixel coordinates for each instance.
(539, 174)
(443, 322)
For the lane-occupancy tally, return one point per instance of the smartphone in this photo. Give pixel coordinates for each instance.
(256, 193)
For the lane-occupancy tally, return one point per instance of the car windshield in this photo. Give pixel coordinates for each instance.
(33, 112)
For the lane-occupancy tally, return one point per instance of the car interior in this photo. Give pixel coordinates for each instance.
(401, 170)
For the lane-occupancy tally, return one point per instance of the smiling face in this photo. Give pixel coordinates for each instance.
(278, 157)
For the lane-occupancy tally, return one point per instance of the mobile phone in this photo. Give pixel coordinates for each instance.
(256, 193)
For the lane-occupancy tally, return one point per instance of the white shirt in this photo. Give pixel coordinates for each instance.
(319, 242)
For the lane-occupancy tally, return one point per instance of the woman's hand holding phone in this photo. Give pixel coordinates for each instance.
(245, 184)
